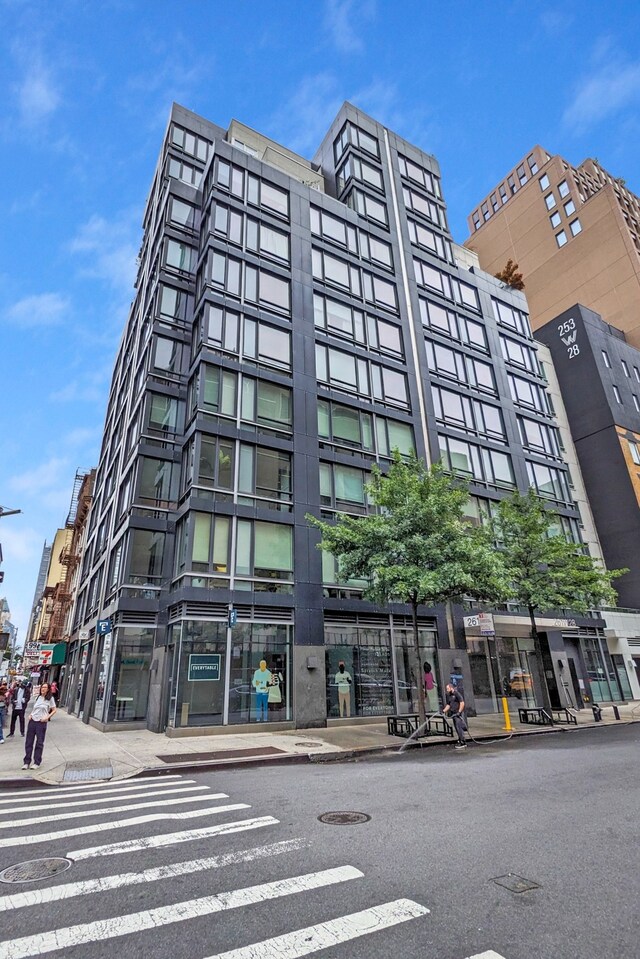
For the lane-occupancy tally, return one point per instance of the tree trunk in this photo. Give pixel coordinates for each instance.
(422, 712)
(546, 698)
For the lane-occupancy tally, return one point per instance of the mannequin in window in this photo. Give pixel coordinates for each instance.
(343, 681)
(430, 689)
(275, 692)
(261, 681)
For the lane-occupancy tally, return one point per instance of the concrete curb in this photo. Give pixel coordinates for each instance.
(293, 759)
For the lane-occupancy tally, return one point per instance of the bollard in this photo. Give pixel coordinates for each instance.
(597, 713)
(616, 712)
(507, 718)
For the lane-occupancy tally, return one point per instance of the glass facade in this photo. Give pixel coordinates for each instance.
(504, 667)
(221, 676)
(367, 677)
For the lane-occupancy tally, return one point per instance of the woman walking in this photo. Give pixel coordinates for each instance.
(44, 707)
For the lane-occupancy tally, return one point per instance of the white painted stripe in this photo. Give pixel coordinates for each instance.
(70, 890)
(46, 791)
(303, 942)
(487, 955)
(103, 929)
(172, 838)
(109, 810)
(92, 802)
(117, 824)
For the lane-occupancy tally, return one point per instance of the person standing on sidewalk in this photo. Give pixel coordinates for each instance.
(19, 700)
(454, 707)
(4, 703)
(44, 707)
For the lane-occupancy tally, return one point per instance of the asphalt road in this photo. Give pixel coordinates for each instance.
(558, 810)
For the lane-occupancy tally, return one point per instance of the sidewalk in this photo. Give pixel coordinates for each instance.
(75, 752)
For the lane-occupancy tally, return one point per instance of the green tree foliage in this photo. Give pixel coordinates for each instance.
(418, 548)
(546, 571)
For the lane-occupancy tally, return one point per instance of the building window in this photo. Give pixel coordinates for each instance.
(616, 393)
(607, 361)
(522, 176)
(544, 182)
(555, 220)
(576, 227)
(264, 551)
(359, 170)
(625, 368)
(533, 166)
(550, 201)
(549, 482)
(563, 188)
(561, 238)
(636, 373)
(569, 208)
(635, 402)
(421, 204)
(635, 453)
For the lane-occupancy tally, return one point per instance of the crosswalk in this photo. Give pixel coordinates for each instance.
(146, 810)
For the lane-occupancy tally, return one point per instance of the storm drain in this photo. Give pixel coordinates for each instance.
(34, 869)
(309, 744)
(344, 818)
(515, 883)
(88, 769)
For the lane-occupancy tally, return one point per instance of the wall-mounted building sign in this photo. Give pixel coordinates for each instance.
(204, 666)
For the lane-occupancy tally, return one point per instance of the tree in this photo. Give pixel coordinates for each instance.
(546, 571)
(418, 548)
(510, 277)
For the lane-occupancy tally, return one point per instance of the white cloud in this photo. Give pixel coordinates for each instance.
(88, 387)
(41, 309)
(384, 103)
(40, 478)
(338, 18)
(303, 120)
(81, 437)
(604, 91)
(109, 250)
(19, 544)
(36, 92)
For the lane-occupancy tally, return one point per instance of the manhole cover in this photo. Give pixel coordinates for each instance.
(515, 883)
(309, 744)
(34, 869)
(344, 818)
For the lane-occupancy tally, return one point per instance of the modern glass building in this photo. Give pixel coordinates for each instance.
(294, 322)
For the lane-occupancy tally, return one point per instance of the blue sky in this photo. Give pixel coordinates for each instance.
(85, 91)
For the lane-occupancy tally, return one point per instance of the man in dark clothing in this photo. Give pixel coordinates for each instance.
(20, 696)
(454, 707)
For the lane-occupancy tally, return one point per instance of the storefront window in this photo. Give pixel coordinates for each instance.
(200, 674)
(411, 670)
(504, 667)
(363, 686)
(259, 683)
(603, 680)
(130, 683)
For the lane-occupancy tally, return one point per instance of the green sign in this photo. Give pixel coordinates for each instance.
(204, 666)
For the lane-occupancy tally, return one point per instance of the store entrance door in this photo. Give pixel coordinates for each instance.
(504, 666)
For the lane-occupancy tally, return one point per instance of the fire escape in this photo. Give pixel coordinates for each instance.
(59, 597)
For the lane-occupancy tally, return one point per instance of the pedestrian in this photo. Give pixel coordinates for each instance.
(455, 708)
(4, 703)
(43, 709)
(19, 700)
